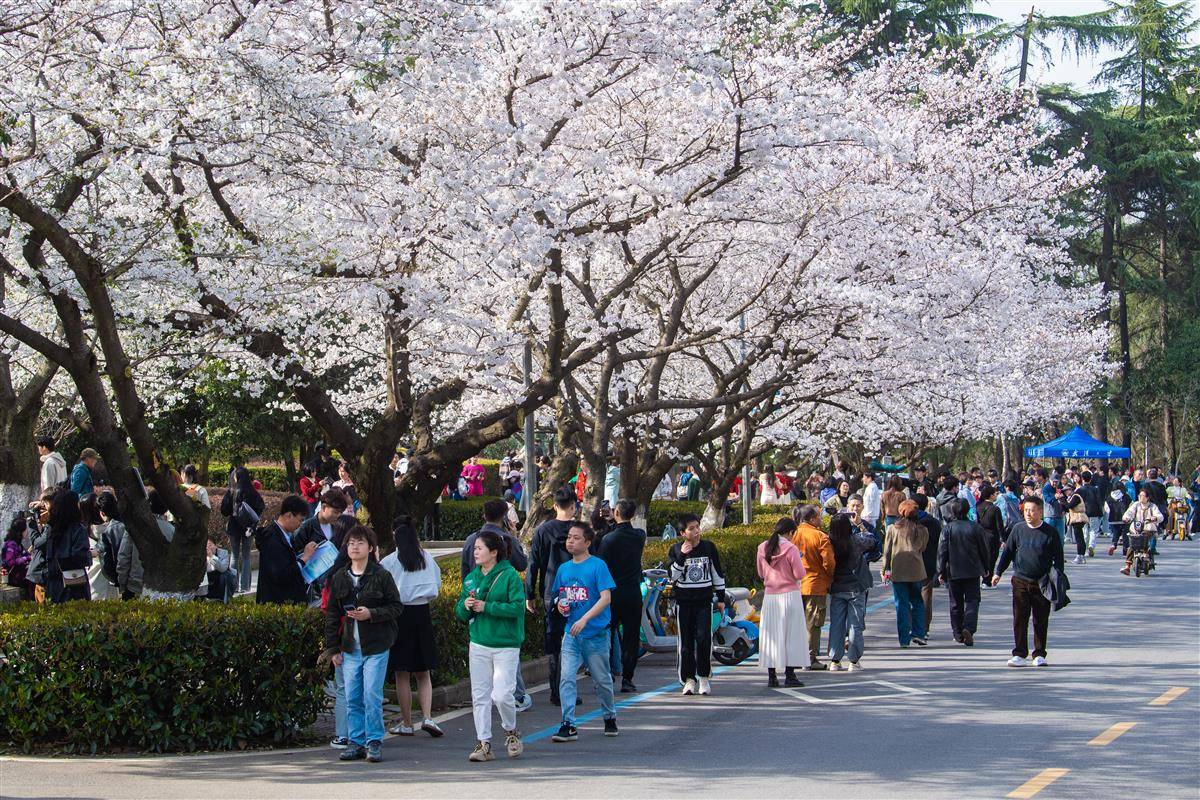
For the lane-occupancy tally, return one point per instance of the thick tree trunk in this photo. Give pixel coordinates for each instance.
(20, 468)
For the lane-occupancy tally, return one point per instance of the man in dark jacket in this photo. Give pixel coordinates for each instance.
(279, 578)
(1093, 506)
(547, 551)
(1033, 548)
(945, 497)
(621, 550)
(495, 519)
(319, 527)
(964, 556)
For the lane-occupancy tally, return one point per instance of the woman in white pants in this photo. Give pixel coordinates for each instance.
(493, 606)
(783, 637)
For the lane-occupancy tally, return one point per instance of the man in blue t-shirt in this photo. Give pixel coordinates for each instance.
(582, 591)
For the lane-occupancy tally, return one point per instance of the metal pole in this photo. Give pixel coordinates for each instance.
(747, 511)
(531, 476)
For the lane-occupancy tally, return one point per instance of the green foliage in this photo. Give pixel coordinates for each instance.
(158, 676)
(273, 479)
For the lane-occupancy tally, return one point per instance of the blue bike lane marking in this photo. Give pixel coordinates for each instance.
(546, 733)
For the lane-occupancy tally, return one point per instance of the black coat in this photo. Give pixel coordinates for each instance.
(991, 521)
(234, 529)
(621, 550)
(377, 591)
(963, 551)
(279, 578)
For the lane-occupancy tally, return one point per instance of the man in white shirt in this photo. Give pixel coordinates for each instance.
(872, 497)
(54, 466)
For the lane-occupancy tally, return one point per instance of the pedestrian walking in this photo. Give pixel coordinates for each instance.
(360, 629)
(782, 638)
(622, 550)
(904, 566)
(698, 583)
(547, 551)
(414, 655)
(1033, 547)
(1075, 513)
(582, 594)
(991, 520)
(817, 556)
(491, 606)
(929, 556)
(964, 559)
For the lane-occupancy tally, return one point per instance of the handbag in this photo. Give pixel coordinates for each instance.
(246, 516)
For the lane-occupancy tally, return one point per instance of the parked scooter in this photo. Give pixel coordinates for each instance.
(736, 636)
(735, 630)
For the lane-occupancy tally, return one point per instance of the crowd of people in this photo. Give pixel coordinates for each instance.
(582, 578)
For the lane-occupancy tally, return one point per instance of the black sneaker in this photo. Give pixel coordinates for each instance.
(610, 727)
(375, 751)
(354, 752)
(792, 680)
(627, 687)
(566, 733)
(339, 743)
(919, 642)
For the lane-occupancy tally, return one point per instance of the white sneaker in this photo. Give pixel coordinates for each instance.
(705, 686)
(1017, 661)
(525, 703)
(689, 687)
(855, 666)
(836, 666)
(1040, 661)
(401, 730)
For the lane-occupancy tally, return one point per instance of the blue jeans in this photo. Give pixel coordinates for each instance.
(1060, 525)
(364, 677)
(519, 688)
(846, 613)
(594, 651)
(340, 724)
(614, 643)
(1095, 525)
(910, 610)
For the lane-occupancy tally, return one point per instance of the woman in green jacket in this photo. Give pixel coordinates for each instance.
(493, 606)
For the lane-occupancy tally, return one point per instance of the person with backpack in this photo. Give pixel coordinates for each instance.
(241, 523)
(1115, 506)
(698, 582)
(360, 629)
(490, 604)
(547, 551)
(418, 579)
(582, 592)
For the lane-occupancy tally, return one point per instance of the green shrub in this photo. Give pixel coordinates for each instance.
(273, 479)
(667, 511)
(158, 676)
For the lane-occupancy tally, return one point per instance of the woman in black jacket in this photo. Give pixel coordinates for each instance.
(241, 535)
(360, 629)
(992, 522)
(66, 549)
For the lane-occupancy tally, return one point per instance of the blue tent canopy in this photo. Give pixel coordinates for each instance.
(1076, 443)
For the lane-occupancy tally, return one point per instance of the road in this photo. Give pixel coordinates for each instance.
(942, 721)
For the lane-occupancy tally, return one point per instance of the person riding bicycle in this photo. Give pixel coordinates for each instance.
(1144, 519)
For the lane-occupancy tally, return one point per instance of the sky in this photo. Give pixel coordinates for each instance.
(1065, 69)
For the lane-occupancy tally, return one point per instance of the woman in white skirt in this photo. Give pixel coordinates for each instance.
(782, 640)
(768, 487)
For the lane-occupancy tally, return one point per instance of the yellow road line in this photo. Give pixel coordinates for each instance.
(1038, 782)
(1168, 695)
(1110, 735)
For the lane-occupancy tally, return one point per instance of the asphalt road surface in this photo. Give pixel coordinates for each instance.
(1116, 714)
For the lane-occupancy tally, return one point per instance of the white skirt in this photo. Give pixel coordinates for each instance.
(782, 634)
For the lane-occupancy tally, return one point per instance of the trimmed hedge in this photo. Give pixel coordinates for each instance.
(273, 479)
(91, 676)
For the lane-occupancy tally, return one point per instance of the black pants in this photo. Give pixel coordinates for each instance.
(556, 626)
(964, 605)
(695, 640)
(627, 615)
(994, 552)
(1077, 530)
(1028, 598)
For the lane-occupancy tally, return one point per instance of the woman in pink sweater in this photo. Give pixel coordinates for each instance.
(782, 639)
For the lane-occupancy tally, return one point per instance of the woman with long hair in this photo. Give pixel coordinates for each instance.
(904, 566)
(847, 596)
(241, 534)
(768, 487)
(783, 641)
(414, 654)
(67, 549)
(837, 502)
(15, 558)
(890, 500)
